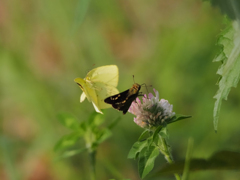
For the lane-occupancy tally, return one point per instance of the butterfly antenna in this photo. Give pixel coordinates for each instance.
(133, 79)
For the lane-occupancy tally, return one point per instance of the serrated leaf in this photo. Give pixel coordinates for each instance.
(229, 70)
(146, 160)
(67, 141)
(136, 149)
(68, 120)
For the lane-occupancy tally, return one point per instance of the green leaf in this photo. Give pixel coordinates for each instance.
(67, 141)
(95, 119)
(99, 119)
(229, 70)
(155, 135)
(163, 133)
(103, 135)
(223, 160)
(122, 179)
(71, 153)
(91, 118)
(178, 117)
(143, 135)
(68, 121)
(146, 160)
(231, 8)
(136, 149)
(8, 157)
(81, 11)
(83, 126)
(114, 123)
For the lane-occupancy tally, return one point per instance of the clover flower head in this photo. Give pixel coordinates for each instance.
(151, 112)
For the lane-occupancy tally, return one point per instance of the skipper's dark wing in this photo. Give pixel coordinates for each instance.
(124, 105)
(117, 98)
(121, 101)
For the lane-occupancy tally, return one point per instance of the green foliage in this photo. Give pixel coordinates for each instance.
(70, 153)
(178, 117)
(147, 148)
(44, 45)
(231, 8)
(229, 56)
(68, 121)
(136, 149)
(146, 160)
(89, 131)
(8, 157)
(188, 159)
(67, 141)
(146, 152)
(81, 11)
(143, 135)
(222, 160)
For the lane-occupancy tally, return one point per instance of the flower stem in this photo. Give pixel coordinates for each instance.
(165, 150)
(92, 156)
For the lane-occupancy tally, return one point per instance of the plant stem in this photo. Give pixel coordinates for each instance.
(165, 150)
(92, 156)
(188, 159)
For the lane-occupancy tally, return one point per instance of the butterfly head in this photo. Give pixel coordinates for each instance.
(79, 82)
(135, 88)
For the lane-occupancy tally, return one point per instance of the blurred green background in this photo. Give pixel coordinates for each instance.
(170, 45)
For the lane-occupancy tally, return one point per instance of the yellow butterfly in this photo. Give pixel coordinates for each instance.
(99, 84)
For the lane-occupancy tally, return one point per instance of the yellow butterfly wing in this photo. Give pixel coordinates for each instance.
(99, 84)
(105, 74)
(86, 88)
(103, 91)
(88, 92)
